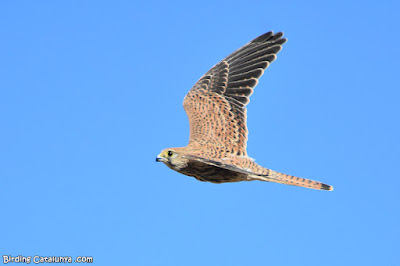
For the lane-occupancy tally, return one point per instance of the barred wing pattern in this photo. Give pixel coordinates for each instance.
(216, 105)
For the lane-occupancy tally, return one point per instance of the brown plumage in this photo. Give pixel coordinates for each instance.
(216, 108)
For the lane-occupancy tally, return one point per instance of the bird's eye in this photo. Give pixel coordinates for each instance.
(170, 153)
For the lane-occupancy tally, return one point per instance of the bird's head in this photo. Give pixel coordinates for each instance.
(173, 158)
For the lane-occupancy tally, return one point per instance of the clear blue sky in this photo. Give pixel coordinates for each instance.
(92, 91)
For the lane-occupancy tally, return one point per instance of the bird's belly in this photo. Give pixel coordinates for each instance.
(210, 173)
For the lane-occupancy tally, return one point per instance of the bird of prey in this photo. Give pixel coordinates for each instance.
(216, 108)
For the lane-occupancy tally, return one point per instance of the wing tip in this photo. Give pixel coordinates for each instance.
(270, 36)
(264, 37)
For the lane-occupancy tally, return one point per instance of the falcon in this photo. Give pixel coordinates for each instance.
(216, 108)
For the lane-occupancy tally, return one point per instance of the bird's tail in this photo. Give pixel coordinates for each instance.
(277, 177)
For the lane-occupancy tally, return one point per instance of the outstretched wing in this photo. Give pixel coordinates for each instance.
(216, 105)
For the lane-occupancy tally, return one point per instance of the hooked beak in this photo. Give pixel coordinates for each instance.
(160, 159)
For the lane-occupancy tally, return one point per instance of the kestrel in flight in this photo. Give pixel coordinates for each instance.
(216, 108)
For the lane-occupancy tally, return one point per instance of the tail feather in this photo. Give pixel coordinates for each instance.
(277, 177)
